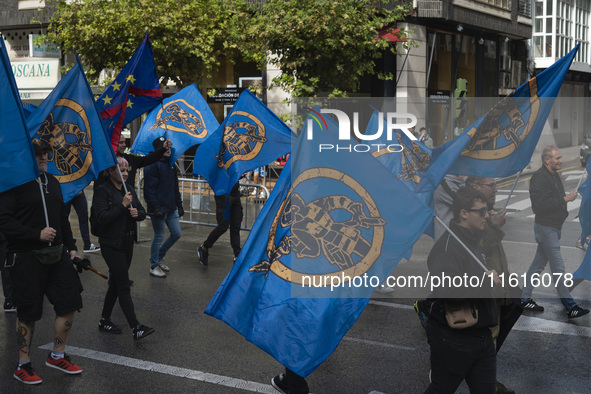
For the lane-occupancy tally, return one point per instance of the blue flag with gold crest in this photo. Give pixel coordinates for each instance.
(584, 271)
(407, 159)
(17, 157)
(501, 142)
(327, 220)
(69, 121)
(135, 90)
(184, 118)
(250, 136)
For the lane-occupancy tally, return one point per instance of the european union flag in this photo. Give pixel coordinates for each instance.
(251, 136)
(329, 217)
(184, 118)
(69, 121)
(501, 143)
(135, 91)
(17, 163)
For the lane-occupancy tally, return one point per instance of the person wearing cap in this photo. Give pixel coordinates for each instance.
(161, 192)
(40, 256)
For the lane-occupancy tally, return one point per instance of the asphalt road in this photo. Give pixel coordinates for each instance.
(385, 351)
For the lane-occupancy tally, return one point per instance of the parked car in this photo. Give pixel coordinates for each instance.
(585, 150)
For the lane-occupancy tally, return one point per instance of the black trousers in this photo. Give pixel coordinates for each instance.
(119, 261)
(296, 384)
(234, 222)
(461, 354)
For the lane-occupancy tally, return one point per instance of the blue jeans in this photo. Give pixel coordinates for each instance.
(159, 249)
(548, 251)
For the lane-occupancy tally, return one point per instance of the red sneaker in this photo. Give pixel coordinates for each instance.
(25, 374)
(63, 364)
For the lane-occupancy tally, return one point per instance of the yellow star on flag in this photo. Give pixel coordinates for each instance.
(116, 86)
(129, 104)
(131, 79)
(107, 100)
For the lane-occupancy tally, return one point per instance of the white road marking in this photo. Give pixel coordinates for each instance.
(221, 380)
(526, 323)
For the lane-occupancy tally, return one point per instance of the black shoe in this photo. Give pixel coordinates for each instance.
(141, 332)
(577, 311)
(279, 383)
(9, 307)
(202, 255)
(108, 326)
(532, 306)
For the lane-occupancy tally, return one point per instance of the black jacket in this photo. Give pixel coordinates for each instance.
(547, 198)
(22, 216)
(113, 217)
(449, 259)
(161, 187)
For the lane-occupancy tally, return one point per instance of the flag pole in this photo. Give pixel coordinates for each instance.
(164, 118)
(122, 181)
(44, 203)
(512, 189)
(461, 243)
(580, 180)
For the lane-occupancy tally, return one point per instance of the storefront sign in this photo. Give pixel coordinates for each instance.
(223, 95)
(49, 49)
(38, 74)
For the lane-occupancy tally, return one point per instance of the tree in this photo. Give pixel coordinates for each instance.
(320, 45)
(326, 45)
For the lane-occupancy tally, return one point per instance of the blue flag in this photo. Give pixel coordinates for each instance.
(184, 118)
(407, 159)
(326, 219)
(17, 163)
(28, 109)
(251, 136)
(135, 90)
(585, 208)
(501, 143)
(69, 121)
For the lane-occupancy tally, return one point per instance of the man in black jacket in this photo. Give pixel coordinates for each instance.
(549, 205)
(40, 256)
(467, 353)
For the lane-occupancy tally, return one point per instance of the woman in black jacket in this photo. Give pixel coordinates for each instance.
(116, 213)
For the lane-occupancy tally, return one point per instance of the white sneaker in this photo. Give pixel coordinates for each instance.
(262, 194)
(254, 192)
(92, 248)
(157, 271)
(384, 289)
(163, 266)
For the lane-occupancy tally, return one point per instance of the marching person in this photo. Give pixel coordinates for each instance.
(233, 222)
(161, 192)
(548, 202)
(462, 348)
(117, 213)
(40, 258)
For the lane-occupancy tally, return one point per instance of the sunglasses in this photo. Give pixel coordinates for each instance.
(482, 211)
(491, 185)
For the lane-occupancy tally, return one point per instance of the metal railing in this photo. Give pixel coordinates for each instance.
(199, 202)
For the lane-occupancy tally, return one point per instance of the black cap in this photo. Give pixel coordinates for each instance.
(40, 145)
(158, 143)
